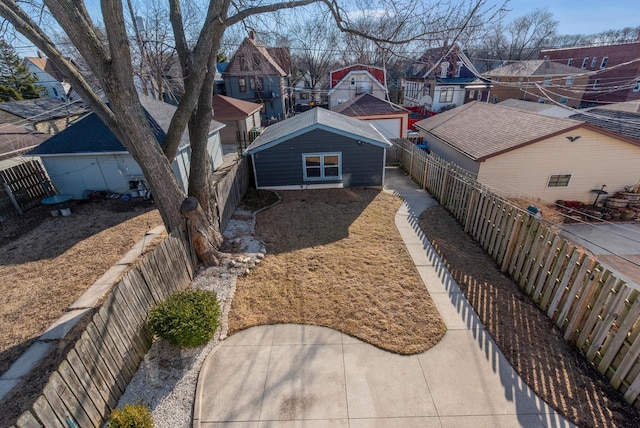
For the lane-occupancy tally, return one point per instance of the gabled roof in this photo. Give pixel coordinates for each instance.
(43, 109)
(377, 74)
(16, 139)
(431, 59)
(47, 66)
(620, 122)
(367, 104)
(317, 118)
(534, 67)
(91, 135)
(231, 107)
(481, 130)
(278, 58)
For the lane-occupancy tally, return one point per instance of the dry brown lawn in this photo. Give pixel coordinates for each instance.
(46, 263)
(531, 342)
(335, 259)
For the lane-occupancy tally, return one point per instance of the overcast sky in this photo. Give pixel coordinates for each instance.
(583, 16)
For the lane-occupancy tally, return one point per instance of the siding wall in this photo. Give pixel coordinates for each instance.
(449, 154)
(593, 160)
(281, 165)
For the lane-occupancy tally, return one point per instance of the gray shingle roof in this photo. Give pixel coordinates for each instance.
(367, 104)
(317, 118)
(16, 139)
(41, 109)
(91, 135)
(482, 130)
(536, 67)
(621, 122)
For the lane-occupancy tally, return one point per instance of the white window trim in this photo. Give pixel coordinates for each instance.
(446, 91)
(603, 64)
(570, 174)
(569, 81)
(584, 63)
(595, 83)
(594, 61)
(637, 87)
(322, 156)
(564, 100)
(570, 61)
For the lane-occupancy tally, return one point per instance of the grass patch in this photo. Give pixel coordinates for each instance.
(336, 259)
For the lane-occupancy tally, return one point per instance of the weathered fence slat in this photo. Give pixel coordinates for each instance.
(573, 288)
(561, 290)
(60, 394)
(27, 420)
(592, 285)
(601, 332)
(45, 413)
(618, 339)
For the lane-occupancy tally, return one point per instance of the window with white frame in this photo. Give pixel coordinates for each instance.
(569, 61)
(569, 81)
(594, 61)
(446, 95)
(322, 166)
(472, 94)
(546, 81)
(542, 100)
(584, 63)
(564, 100)
(559, 180)
(603, 64)
(637, 87)
(595, 83)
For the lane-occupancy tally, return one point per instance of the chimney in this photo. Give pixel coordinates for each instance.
(252, 35)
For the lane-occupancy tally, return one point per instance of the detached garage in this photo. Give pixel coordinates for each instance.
(390, 119)
(318, 149)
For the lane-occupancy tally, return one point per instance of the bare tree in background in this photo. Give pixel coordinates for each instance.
(521, 39)
(111, 64)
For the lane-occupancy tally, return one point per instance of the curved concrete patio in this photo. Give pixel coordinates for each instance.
(308, 376)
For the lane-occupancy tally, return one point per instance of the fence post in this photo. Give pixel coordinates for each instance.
(511, 245)
(426, 170)
(445, 182)
(411, 162)
(13, 200)
(471, 209)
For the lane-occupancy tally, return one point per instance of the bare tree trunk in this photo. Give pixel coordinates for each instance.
(201, 232)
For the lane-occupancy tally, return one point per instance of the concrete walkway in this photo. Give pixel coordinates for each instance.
(306, 376)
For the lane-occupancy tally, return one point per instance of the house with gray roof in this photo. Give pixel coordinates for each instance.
(538, 80)
(525, 154)
(318, 149)
(390, 119)
(87, 156)
(47, 115)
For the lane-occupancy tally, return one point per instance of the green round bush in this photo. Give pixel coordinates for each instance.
(187, 319)
(131, 416)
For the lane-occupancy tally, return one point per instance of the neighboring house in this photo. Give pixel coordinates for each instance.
(538, 80)
(16, 140)
(47, 115)
(88, 157)
(443, 78)
(240, 118)
(614, 72)
(348, 82)
(519, 153)
(219, 88)
(390, 119)
(49, 77)
(306, 95)
(261, 75)
(547, 109)
(318, 149)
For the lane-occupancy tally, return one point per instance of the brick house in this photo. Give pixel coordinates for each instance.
(614, 77)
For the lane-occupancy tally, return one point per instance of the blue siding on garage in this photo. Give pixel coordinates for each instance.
(281, 165)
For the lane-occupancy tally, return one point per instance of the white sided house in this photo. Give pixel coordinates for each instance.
(87, 157)
(349, 82)
(519, 153)
(319, 149)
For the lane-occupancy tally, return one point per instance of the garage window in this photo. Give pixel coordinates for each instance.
(322, 166)
(559, 180)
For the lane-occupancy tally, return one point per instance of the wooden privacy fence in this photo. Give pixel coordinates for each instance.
(22, 187)
(228, 185)
(95, 373)
(595, 310)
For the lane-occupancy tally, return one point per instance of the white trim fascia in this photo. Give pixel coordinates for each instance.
(255, 174)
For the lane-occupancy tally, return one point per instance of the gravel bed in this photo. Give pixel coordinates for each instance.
(167, 377)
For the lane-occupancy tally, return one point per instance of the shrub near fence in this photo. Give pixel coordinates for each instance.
(95, 373)
(596, 310)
